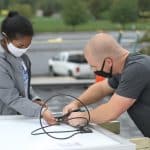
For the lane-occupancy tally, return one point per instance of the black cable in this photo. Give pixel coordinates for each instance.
(35, 131)
(71, 97)
(80, 129)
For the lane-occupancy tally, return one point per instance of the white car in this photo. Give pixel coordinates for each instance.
(70, 63)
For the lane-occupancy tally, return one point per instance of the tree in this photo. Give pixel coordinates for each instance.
(144, 8)
(49, 6)
(23, 9)
(124, 11)
(96, 7)
(144, 5)
(4, 4)
(75, 13)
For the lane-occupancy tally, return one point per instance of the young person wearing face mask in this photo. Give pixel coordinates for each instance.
(16, 94)
(127, 80)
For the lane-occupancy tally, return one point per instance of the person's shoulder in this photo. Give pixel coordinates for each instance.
(2, 56)
(3, 62)
(1, 51)
(136, 60)
(137, 67)
(137, 56)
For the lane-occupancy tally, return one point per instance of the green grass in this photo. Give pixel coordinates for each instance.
(98, 26)
(57, 25)
(44, 24)
(140, 25)
(47, 24)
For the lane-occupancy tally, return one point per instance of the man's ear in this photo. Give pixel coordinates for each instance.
(109, 61)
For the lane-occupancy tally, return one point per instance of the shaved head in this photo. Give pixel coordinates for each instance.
(102, 45)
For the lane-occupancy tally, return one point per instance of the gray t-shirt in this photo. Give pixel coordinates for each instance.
(134, 82)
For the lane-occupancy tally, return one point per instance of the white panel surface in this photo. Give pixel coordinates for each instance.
(15, 134)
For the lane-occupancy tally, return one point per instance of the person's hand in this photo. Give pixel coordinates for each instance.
(40, 102)
(70, 107)
(77, 118)
(48, 117)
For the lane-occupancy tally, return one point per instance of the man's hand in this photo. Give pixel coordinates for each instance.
(73, 119)
(70, 107)
(48, 117)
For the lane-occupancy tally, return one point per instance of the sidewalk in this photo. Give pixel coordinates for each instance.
(45, 80)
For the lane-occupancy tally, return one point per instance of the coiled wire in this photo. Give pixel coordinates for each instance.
(78, 129)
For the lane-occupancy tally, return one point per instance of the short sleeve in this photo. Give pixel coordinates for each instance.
(114, 81)
(132, 81)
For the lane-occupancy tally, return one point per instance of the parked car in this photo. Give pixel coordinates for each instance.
(70, 63)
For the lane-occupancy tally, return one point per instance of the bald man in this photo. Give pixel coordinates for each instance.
(127, 79)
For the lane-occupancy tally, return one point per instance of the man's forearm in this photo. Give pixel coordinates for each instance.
(103, 113)
(92, 94)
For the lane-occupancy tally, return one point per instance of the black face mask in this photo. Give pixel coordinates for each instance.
(103, 73)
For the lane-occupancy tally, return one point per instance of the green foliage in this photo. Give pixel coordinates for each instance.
(74, 12)
(124, 11)
(144, 5)
(145, 50)
(4, 4)
(1, 5)
(49, 6)
(30, 2)
(23, 9)
(146, 37)
(144, 9)
(97, 7)
(105, 15)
